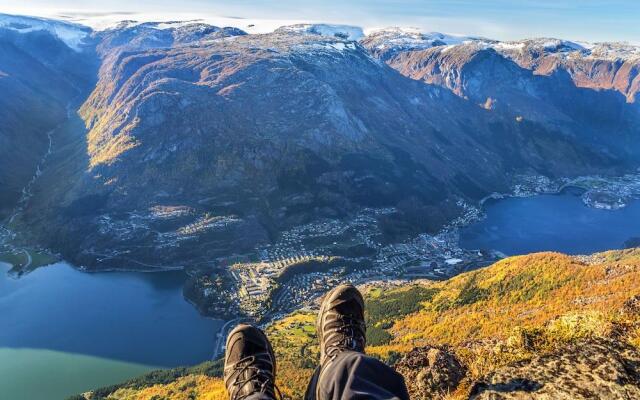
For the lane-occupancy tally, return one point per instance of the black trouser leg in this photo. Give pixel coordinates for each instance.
(352, 375)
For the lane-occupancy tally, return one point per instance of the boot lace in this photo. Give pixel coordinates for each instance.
(351, 333)
(254, 375)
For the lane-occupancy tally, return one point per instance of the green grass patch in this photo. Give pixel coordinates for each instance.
(377, 336)
(16, 260)
(19, 260)
(397, 304)
(42, 258)
(525, 287)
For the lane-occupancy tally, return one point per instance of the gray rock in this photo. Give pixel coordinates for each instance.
(590, 370)
(430, 372)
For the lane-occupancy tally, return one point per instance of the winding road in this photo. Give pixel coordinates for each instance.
(29, 260)
(27, 193)
(222, 337)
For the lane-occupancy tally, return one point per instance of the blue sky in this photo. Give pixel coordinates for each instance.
(500, 19)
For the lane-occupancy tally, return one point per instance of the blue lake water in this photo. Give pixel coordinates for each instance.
(64, 331)
(551, 223)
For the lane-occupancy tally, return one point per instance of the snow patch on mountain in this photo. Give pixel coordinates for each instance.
(412, 38)
(328, 46)
(387, 42)
(174, 24)
(613, 51)
(546, 45)
(564, 48)
(106, 21)
(73, 35)
(340, 31)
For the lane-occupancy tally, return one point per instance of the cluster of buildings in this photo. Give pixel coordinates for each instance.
(205, 223)
(256, 282)
(301, 289)
(530, 185)
(262, 292)
(609, 193)
(161, 227)
(170, 212)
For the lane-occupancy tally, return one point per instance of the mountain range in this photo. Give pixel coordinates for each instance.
(176, 143)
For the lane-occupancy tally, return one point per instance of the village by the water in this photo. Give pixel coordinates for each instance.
(268, 287)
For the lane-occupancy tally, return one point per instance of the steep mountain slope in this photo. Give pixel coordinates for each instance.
(586, 93)
(39, 75)
(608, 66)
(538, 326)
(250, 134)
(46, 65)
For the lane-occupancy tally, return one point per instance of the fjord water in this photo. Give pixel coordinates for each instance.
(64, 332)
(551, 223)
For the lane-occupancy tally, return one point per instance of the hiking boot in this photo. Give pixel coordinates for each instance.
(341, 323)
(249, 363)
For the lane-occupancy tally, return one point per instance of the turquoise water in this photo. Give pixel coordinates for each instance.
(551, 223)
(63, 332)
(46, 374)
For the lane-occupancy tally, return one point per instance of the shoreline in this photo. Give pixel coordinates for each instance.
(576, 183)
(151, 270)
(220, 333)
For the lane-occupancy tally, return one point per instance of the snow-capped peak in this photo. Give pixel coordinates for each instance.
(73, 35)
(549, 45)
(159, 25)
(612, 51)
(565, 48)
(397, 36)
(389, 41)
(340, 31)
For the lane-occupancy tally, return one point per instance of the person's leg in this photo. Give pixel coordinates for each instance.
(258, 396)
(353, 375)
(345, 372)
(249, 365)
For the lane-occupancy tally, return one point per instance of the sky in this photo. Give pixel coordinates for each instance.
(579, 20)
